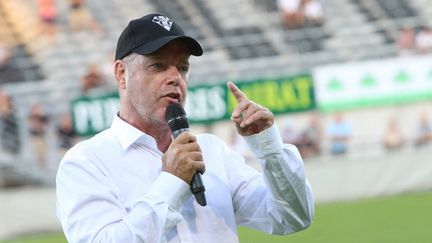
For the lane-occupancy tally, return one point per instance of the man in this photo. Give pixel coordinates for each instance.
(9, 133)
(130, 183)
(339, 131)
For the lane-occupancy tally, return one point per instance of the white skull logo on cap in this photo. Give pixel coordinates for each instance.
(163, 21)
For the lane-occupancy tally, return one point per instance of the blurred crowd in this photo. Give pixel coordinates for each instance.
(310, 139)
(300, 13)
(37, 122)
(415, 40)
(334, 137)
(313, 139)
(79, 17)
(394, 138)
(96, 80)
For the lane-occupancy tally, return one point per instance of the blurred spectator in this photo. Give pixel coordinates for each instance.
(406, 41)
(38, 122)
(290, 11)
(65, 133)
(393, 138)
(289, 134)
(92, 79)
(295, 13)
(424, 131)
(310, 139)
(313, 11)
(8, 125)
(80, 17)
(423, 40)
(48, 17)
(339, 132)
(5, 56)
(8, 69)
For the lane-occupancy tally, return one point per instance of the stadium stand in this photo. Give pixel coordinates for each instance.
(19, 66)
(243, 39)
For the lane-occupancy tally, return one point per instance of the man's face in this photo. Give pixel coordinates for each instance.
(157, 81)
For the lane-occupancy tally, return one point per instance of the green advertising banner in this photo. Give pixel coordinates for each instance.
(91, 115)
(206, 103)
(373, 83)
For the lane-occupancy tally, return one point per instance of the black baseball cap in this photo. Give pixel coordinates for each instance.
(149, 33)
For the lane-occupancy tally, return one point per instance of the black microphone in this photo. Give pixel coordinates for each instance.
(178, 123)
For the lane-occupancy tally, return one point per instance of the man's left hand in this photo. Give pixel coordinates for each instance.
(250, 118)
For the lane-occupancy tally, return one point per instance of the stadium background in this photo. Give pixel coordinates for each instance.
(351, 63)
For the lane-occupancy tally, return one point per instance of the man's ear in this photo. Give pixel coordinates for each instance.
(120, 73)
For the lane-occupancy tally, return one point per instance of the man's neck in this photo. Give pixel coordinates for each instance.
(159, 131)
(163, 139)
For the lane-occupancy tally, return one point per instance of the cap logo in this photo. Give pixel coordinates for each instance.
(163, 21)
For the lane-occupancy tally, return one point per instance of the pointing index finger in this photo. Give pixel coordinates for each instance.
(238, 94)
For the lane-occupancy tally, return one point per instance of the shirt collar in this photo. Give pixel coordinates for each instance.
(129, 135)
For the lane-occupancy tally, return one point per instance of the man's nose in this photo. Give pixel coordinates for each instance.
(174, 76)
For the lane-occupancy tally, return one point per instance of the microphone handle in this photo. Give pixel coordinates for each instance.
(197, 188)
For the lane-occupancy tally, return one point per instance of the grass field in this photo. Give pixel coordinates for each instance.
(400, 219)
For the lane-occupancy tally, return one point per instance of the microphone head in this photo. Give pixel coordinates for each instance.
(176, 117)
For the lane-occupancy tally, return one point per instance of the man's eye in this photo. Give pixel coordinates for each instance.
(184, 69)
(157, 65)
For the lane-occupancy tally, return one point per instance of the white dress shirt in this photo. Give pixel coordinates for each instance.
(110, 188)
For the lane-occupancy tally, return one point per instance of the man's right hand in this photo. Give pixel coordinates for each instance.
(183, 157)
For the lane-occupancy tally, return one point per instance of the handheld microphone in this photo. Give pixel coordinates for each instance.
(178, 123)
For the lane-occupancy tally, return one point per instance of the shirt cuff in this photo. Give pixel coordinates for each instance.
(265, 143)
(170, 189)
